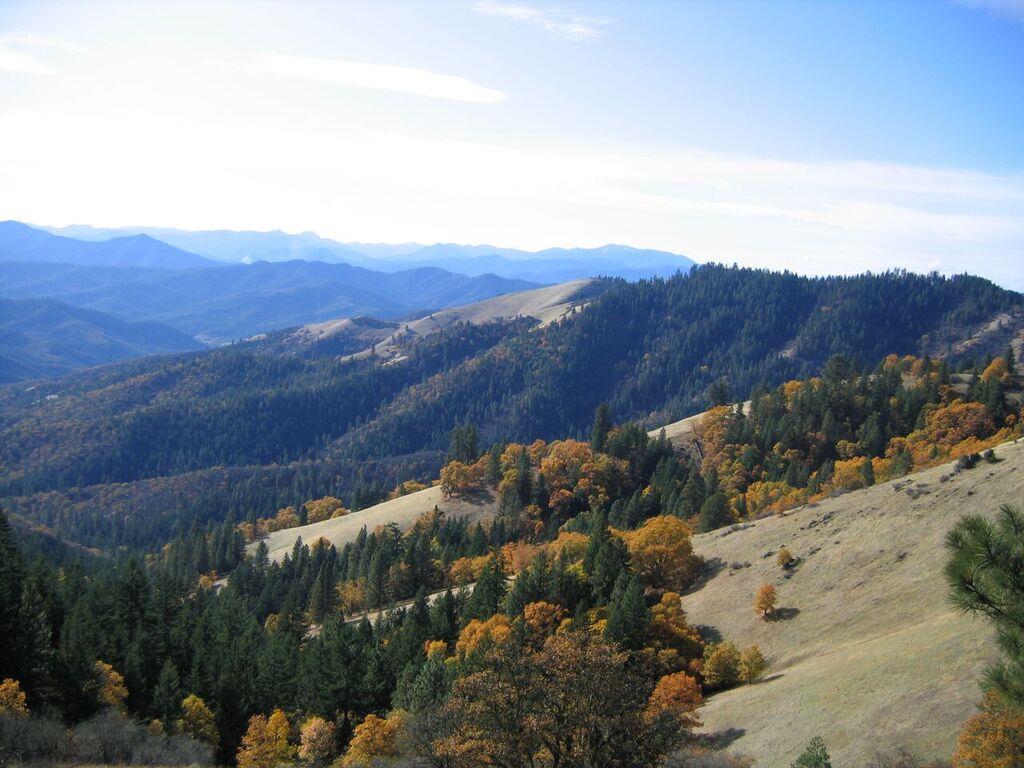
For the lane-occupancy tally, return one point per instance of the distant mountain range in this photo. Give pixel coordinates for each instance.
(20, 242)
(552, 265)
(43, 338)
(221, 286)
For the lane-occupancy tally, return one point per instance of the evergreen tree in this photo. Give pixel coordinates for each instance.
(167, 695)
(12, 574)
(628, 616)
(601, 427)
(714, 513)
(489, 591)
(815, 756)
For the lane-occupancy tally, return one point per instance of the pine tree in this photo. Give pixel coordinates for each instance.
(167, 694)
(815, 756)
(12, 575)
(609, 564)
(601, 427)
(489, 591)
(714, 513)
(628, 616)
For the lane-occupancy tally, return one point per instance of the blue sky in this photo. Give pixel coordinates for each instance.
(818, 136)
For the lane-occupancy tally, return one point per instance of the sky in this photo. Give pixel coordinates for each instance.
(821, 137)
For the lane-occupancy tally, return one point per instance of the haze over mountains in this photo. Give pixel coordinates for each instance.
(552, 265)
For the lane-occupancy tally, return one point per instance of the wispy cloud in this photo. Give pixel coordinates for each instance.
(21, 63)
(1009, 9)
(559, 22)
(381, 77)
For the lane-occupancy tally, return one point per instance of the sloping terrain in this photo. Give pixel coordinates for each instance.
(240, 300)
(866, 650)
(40, 338)
(388, 339)
(402, 511)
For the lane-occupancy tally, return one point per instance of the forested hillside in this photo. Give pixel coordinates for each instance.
(578, 576)
(654, 351)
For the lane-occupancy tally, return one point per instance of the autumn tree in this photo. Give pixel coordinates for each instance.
(110, 688)
(198, 721)
(784, 558)
(318, 510)
(375, 740)
(456, 479)
(265, 743)
(12, 699)
(766, 600)
(993, 738)
(661, 553)
(752, 665)
(316, 741)
(574, 702)
(677, 695)
(721, 666)
(986, 574)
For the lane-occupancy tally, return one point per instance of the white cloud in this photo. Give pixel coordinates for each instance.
(557, 22)
(382, 77)
(21, 63)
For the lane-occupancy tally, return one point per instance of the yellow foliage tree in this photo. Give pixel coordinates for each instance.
(456, 479)
(265, 743)
(375, 740)
(669, 630)
(319, 510)
(998, 370)
(542, 619)
(721, 665)
(765, 600)
(661, 553)
(110, 688)
(562, 468)
(198, 721)
(12, 699)
(496, 630)
(993, 738)
(752, 665)
(466, 569)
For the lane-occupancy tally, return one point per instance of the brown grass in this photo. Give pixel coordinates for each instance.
(867, 651)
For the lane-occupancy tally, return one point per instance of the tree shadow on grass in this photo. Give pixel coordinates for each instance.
(719, 739)
(783, 614)
(708, 633)
(707, 572)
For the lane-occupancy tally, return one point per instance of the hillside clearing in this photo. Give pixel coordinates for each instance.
(402, 511)
(867, 650)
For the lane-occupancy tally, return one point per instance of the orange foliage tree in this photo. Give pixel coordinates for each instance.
(478, 635)
(993, 738)
(677, 695)
(766, 600)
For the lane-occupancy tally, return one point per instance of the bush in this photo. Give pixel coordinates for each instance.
(113, 738)
(968, 461)
(26, 739)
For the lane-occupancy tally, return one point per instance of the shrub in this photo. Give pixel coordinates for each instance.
(815, 756)
(721, 666)
(785, 558)
(24, 739)
(752, 665)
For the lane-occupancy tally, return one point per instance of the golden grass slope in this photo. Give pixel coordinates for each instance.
(545, 304)
(867, 652)
(402, 511)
